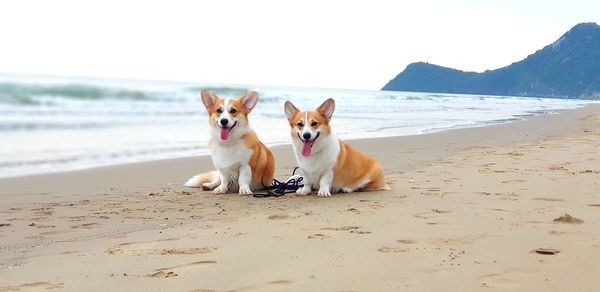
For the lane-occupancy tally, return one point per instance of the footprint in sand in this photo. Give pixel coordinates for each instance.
(432, 191)
(261, 287)
(510, 279)
(546, 251)
(46, 233)
(352, 229)
(195, 250)
(567, 219)
(280, 282)
(41, 225)
(43, 212)
(279, 217)
(86, 226)
(392, 249)
(557, 167)
(162, 274)
(431, 214)
(360, 232)
(513, 181)
(549, 199)
(35, 286)
(156, 247)
(318, 236)
(10, 211)
(407, 241)
(75, 218)
(343, 228)
(175, 271)
(138, 248)
(463, 240)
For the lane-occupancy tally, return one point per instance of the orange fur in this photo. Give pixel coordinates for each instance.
(206, 177)
(353, 166)
(235, 103)
(261, 162)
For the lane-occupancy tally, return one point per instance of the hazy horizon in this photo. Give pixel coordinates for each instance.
(300, 44)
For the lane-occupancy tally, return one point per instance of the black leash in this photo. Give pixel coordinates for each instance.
(278, 189)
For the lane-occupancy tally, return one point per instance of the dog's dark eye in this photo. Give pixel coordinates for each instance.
(219, 111)
(300, 125)
(314, 124)
(232, 111)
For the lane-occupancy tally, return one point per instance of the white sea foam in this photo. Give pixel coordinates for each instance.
(58, 124)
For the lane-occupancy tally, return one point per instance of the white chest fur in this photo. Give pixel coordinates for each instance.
(314, 166)
(230, 157)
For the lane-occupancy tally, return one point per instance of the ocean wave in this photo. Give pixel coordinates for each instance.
(127, 155)
(414, 97)
(31, 126)
(52, 94)
(273, 99)
(236, 92)
(34, 94)
(224, 91)
(29, 94)
(106, 113)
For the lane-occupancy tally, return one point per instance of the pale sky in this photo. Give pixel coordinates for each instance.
(333, 44)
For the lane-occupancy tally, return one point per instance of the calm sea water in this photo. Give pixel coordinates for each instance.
(58, 124)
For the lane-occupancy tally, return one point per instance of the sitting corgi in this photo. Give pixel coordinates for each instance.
(326, 161)
(243, 163)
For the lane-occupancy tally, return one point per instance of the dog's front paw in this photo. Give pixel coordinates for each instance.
(245, 190)
(324, 193)
(303, 191)
(220, 190)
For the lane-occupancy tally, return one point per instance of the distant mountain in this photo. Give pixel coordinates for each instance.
(567, 68)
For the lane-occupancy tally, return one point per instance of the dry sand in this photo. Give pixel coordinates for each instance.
(470, 209)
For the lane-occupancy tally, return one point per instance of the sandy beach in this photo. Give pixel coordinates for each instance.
(507, 207)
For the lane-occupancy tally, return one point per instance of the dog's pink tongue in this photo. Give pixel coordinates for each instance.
(306, 148)
(225, 133)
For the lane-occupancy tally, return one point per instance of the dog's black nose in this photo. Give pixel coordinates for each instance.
(224, 122)
(306, 136)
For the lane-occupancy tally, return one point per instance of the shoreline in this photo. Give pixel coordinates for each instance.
(38, 160)
(516, 119)
(469, 208)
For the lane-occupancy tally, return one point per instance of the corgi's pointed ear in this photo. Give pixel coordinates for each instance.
(249, 100)
(326, 108)
(208, 98)
(290, 110)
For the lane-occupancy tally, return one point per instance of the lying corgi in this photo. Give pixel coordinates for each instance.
(243, 163)
(326, 161)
